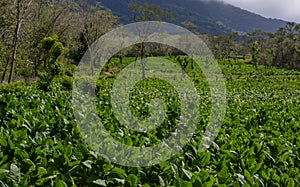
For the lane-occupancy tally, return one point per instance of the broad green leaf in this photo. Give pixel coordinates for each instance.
(182, 183)
(223, 175)
(291, 183)
(204, 158)
(60, 183)
(132, 180)
(248, 177)
(117, 173)
(42, 171)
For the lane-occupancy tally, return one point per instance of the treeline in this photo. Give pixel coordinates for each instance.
(45, 38)
(280, 49)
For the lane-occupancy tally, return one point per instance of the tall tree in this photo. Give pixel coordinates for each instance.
(6, 23)
(147, 12)
(16, 39)
(20, 15)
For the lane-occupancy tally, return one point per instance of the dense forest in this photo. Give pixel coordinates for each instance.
(42, 43)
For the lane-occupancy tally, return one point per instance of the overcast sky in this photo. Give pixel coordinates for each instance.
(288, 10)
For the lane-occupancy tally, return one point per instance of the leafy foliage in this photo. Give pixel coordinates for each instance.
(53, 49)
(258, 145)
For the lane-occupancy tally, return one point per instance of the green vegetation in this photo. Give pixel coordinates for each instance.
(258, 144)
(64, 25)
(41, 45)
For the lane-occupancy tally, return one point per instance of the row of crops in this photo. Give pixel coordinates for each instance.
(258, 144)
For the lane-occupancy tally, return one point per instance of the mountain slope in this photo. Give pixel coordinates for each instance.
(211, 17)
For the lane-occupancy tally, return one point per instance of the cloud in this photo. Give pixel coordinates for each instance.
(288, 10)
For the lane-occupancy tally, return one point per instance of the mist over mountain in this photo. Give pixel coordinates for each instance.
(210, 16)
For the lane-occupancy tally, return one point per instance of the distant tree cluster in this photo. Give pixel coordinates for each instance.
(280, 49)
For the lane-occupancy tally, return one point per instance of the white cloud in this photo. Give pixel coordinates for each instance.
(288, 10)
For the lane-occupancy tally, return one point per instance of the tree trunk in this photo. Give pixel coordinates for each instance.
(5, 70)
(143, 60)
(135, 59)
(15, 42)
(92, 68)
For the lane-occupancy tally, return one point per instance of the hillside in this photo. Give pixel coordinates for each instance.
(211, 17)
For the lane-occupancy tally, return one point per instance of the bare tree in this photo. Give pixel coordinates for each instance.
(16, 40)
(20, 8)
